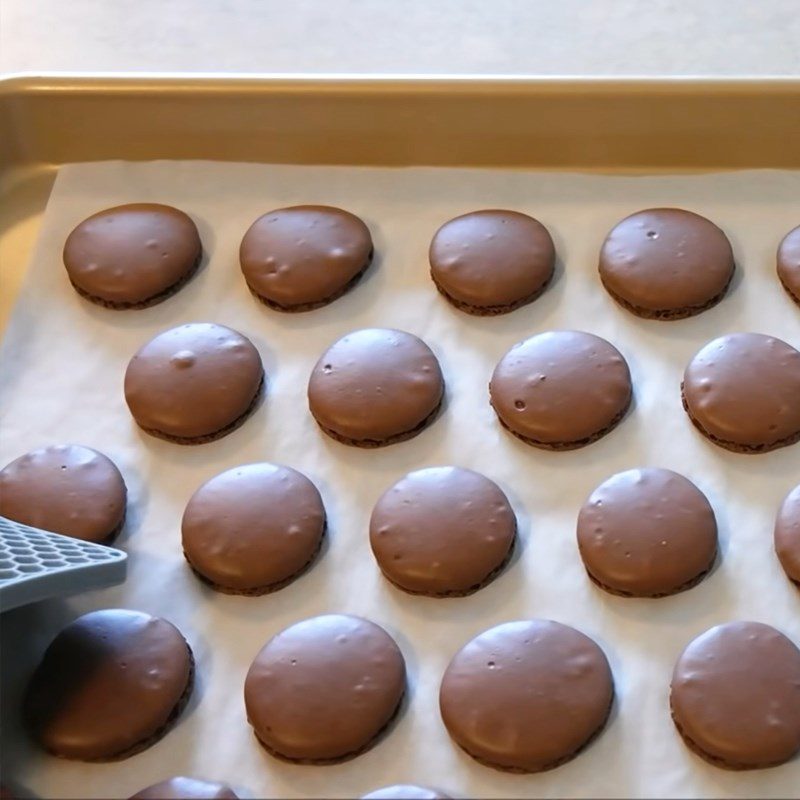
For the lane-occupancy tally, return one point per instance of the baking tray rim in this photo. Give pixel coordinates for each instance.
(210, 82)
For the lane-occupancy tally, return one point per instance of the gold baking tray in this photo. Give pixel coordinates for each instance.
(577, 124)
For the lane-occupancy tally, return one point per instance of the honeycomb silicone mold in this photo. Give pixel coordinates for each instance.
(36, 564)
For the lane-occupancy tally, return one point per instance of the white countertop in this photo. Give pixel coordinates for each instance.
(545, 37)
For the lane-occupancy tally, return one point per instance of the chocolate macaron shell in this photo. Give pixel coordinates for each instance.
(442, 531)
(109, 685)
(787, 535)
(405, 791)
(323, 689)
(180, 788)
(666, 263)
(561, 389)
(193, 383)
(68, 489)
(374, 387)
(132, 255)
(526, 696)
(742, 391)
(253, 528)
(299, 258)
(492, 261)
(735, 696)
(789, 263)
(647, 533)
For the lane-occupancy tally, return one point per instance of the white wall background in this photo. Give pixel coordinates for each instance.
(604, 37)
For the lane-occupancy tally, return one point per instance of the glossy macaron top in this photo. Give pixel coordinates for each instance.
(492, 261)
(526, 696)
(302, 257)
(375, 386)
(666, 263)
(561, 389)
(324, 688)
(68, 489)
(788, 263)
(442, 531)
(193, 381)
(736, 695)
(743, 392)
(108, 685)
(254, 527)
(647, 533)
(132, 254)
(787, 534)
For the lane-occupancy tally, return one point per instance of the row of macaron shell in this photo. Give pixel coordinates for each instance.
(662, 263)
(557, 390)
(439, 531)
(523, 696)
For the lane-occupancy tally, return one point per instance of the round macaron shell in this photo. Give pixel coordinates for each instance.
(253, 527)
(132, 254)
(743, 392)
(561, 389)
(442, 531)
(67, 489)
(647, 533)
(787, 535)
(789, 263)
(304, 255)
(323, 689)
(735, 696)
(666, 262)
(526, 696)
(374, 386)
(492, 260)
(193, 381)
(108, 685)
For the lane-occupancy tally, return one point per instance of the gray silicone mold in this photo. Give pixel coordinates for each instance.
(36, 564)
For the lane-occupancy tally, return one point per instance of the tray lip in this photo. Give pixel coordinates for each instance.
(28, 83)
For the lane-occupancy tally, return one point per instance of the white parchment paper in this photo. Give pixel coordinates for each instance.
(63, 362)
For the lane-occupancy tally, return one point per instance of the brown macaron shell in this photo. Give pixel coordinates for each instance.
(67, 489)
(787, 535)
(735, 696)
(742, 391)
(666, 263)
(442, 531)
(561, 390)
(109, 685)
(405, 791)
(375, 387)
(132, 256)
(324, 689)
(647, 533)
(304, 257)
(789, 263)
(254, 528)
(194, 383)
(492, 261)
(180, 788)
(526, 696)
